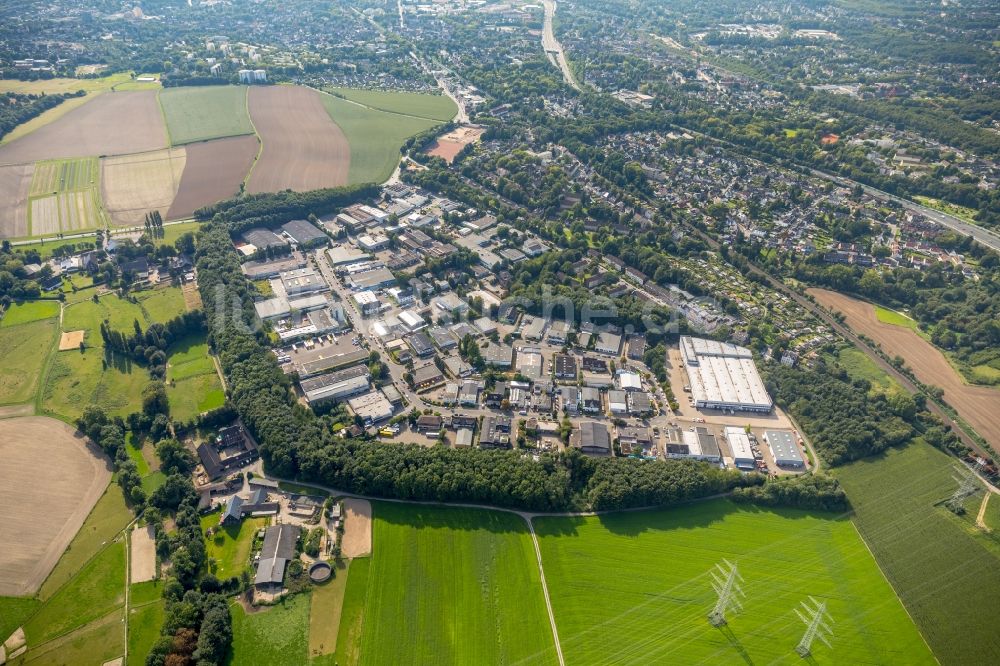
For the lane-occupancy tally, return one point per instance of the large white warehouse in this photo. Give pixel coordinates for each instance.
(723, 376)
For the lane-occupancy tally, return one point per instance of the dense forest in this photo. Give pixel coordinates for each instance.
(16, 108)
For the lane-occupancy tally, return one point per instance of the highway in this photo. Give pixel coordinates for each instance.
(552, 46)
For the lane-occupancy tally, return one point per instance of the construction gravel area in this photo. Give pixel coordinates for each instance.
(357, 539)
(213, 171)
(114, 123)
(52, 479)
(303, 149)
(979, 405)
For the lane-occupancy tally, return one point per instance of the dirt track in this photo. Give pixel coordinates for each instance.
(303, 148)
(213, 172)
(357, 528)
(15, 184)
(52, 480)
(979, 405)
(109, 124)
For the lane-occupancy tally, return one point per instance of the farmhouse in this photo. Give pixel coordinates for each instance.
(723, 376)
(783, 448)
(231, 449)
(233, 513)
(277, 551)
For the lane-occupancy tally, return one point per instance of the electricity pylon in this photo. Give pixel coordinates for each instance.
(817, 626)
(726, 583)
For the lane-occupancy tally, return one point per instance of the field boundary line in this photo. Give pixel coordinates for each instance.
(163, 117)
(260, 143)
(545, 592)
(398, 113)
(375, 108)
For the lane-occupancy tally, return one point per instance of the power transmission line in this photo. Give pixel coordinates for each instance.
(968, 485)
(817, 626)
(726, 582)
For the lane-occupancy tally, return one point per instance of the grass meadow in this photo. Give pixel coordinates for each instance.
(325, 613)
(943, 571)
(201, 113)
(447, 586)
(352, 614)
(144, 622)
(96, 643)
(13, 612)
(29, 311)
(374, 136)
(193, 385)
(859, 365)
(25, 350)
(887, 316)
(433, 107)
(77, 379)
(276, 635)
(636, 587)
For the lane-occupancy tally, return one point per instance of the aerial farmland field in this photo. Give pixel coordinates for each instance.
(636, 587)
(201, 113)
(302, 148)
(374, 136)
(25, 349)
(944, 572)
(450, 586)
(15, 186)
(134, 185)
(433, 107)
(213, 171)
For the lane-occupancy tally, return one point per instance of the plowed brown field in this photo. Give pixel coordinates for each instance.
(15, 183)
(303, 148)
(109, 124)
(134, 185)
(213, 172)
(979, 405)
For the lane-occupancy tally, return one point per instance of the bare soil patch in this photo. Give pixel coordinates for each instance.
(213, 171)
(134, 185)
(979, 405)
(142, 558)
(357, 528)
(52, 479)
(449, 145)
(192, 297)
(70, 340)
(114, 123)
(15, 184)
(303, 148)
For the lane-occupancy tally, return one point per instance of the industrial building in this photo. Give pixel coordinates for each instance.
(336, 386)
(304, 233)
(783, 448)
(739, 444)
(371, 407)
(592, 437)
(723, 376)
(697, 444)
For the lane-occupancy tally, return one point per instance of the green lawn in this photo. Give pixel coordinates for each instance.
(887, 316)
(29, 311)
(161, 305)
(943, 572)
(77, 379)
(433, 107)
(141, 464)
(277, 635)
(140, 594)
(201, 113)
(88, 315)
(636, 588)
(152, 481)
(108, 517)
(449, 586)
(13, 612)
(25, 348)
(144, 625)
(860, 366)
(229, 547)
(375, 137)
(91, 593)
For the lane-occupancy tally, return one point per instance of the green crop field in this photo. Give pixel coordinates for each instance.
(229, 546)
(54, 176)
(144, 624)
(433, 107)
(277, 635)
(91, 593)
(352, 613)
(635, 587)
(25, 349)
(453, 586)
(943, 572)
(24, 313)
(205, 112)
(374, 136)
